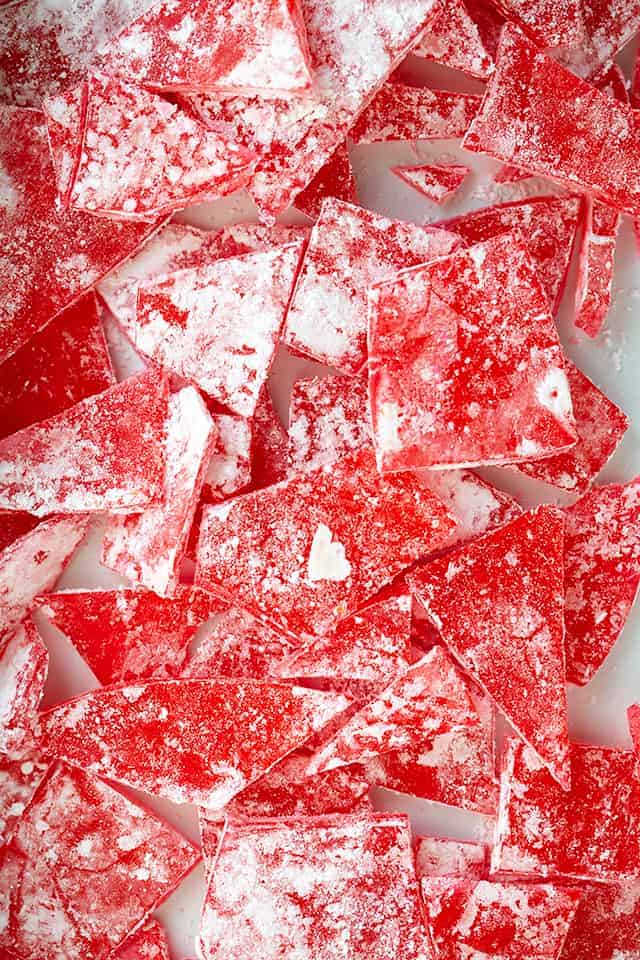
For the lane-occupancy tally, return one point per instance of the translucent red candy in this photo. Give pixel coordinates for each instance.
(229, 469)
(437, 182)
(148, 942)
(476, 504)
(441, 857)
(23, 670)
(453, 39)
(400, 112)
(270, 442)
(334, 179)
(606, 925)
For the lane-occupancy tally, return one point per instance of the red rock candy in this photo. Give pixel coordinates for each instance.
(441, 857)
(453, 39)
(437, 182)
(400, 112)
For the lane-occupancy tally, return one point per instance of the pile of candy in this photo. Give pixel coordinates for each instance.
(346, 604)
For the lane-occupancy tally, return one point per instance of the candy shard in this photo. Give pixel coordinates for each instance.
(148, 942)
(191, 741)
(488, 616)
(453, 39)
(218, 325)
(437, 182)
(87, 458)
(328, 420)
(334, 179)
(476, 504)
(259, 547)
(400, 112)
(270, 442)
(19, 777)
(448, 338)
(349, 250)
(23, 670)
(606, 925)
(441, 857)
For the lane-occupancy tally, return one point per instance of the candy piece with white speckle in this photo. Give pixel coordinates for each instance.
(436, 182)
(400, 112)
(19, 777)
(606, 925)
(148, 942)
(23, 670)
(441, 857)
(334, 179)
(453, 39)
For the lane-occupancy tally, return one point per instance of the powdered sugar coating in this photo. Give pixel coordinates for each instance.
(400, 112)
(327, 420)
(23, 670)
(270, 442)
(436, 182)
(440, 857)
(606, 925)
(476, 504)
(229, 466)
(148, 942)
(19, 777)
(453, 39)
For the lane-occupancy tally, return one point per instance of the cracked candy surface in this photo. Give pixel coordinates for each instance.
(334, 179)
(602, 573)
(498, 603)
(148, 942)
(83, 867)
(87, 458)
(315, 888)
(23, 671)
(441, 857)
(606, 925)
(191, 741)
(349, 250)
(591, 832)
(453, 39)
(127, 635)
(400, 112)
(437, 182)
(465, 365)
(306, 553)
(218, 325)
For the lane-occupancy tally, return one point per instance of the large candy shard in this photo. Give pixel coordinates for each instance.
(148, 942)
(191, 741)
(308, 552)
(243, 48)
(441, 857)
(218, 325)
(127, 635)
(23, 670)
(323, 885)
(334, 179)
(602, 573)
(83, 868)
(453, 39)
(471, 919)
(591, 832)
(436, 182)
(149, 547)
(49, 258)
(87, 458)
(498, 603)
(349, 250)
(537, 115)
(400, 112)
(606, 925)
(465, 365)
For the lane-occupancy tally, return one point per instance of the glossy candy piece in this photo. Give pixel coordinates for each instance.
(606, 925)
(600, 426)
(590, 833)
(191, 741)
(454, 40)
(83, 867)
(436, 182)
(51, 258)
(149, 547)
(23, 671)
(270, 443)
(470, 919)
(87, 458)
(218, 325)
(602, 573)
(349, 250)
(334, 179)
(427, 699)
(148, 942)
(308, 552)
(127, 635)
(254, 47)
(507, 631)
(537, 115)
(13, 524)
(465, 365)
(441, 857)
(324, 883)
(400, 112)
(19, 776)
(353, 49)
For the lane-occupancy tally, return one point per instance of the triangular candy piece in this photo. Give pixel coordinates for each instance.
(606, 925)
(476, 504)
(83, 868)
(446, 340)
(453, 39)
(149, 942)
(441, 857)
(590, 833)
(270, 443)
(349, 250)
(19, 777)
(50, 258)
(143, 157)
(65, 115)
(498, 603)
(87, 458)
(239, 238)
(497, 921)
(256, 47)
(436, 182)
(306, 553)
(23, 670)
(334, 179)
(191, 741)
(328, 882)
(149, 547)
(127, 635)
(429, 698)
(602, 573)
(218, 326)
(400, 112)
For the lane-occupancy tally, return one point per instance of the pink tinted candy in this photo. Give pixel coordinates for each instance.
(229, 466)
(437, 182)
(441, 857)
(400, 112)
(606, 925)
(327, 420)
(20, 774)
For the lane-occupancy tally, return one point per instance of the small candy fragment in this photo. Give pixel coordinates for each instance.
(325, 885)
(32, 563)
(243, 48)
(88, 458)
(270, 443)
(606, 925)
(308, 552)
(537, 115)
(602, 573)
(328, 420)
(191, 741)
(400, 112)
(465, 365)
(19, 777)
(23, 670)
(427, 699)
(83, 868)
(498, 603)
(349, 250)
(334, 179)
(148, 942)
(600, 426)
(127, 635)
(470, 919)
(440, 857)
(229, 466)
(149, 547)
(437, 182)
(453, 39)
(218, 325)
(591, 832)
